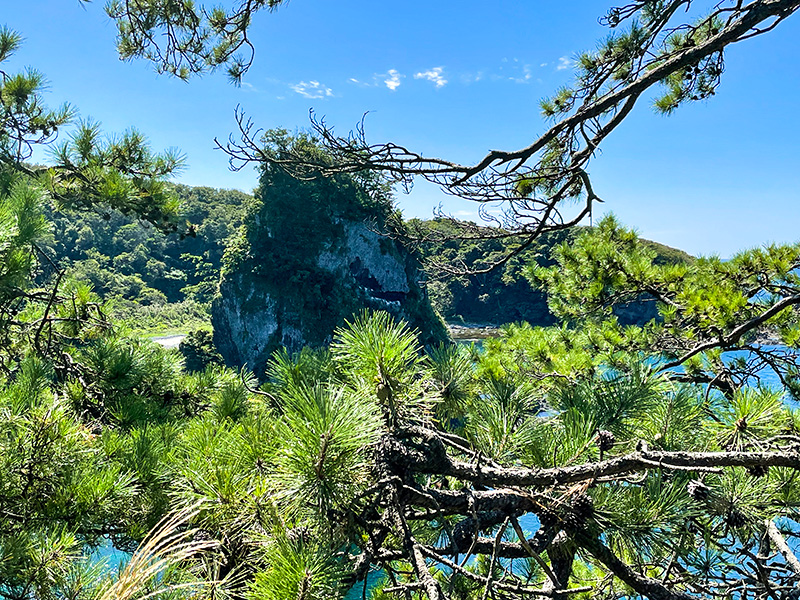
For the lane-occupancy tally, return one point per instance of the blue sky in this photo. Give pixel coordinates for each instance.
(454, 79)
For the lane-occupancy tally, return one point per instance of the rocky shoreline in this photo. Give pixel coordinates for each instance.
(768, 338)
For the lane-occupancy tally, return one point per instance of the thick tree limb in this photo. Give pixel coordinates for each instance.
(629, 463)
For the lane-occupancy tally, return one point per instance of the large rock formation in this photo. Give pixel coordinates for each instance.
(258, 310)
(312, 255)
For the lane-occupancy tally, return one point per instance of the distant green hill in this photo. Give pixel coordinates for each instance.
(153, 279)
(502, 295)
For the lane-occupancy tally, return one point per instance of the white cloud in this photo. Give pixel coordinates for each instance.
(563, 63)
(392, 80)
(312, 89)
(472, 77)
(361, 83)
(433, 75)
(525, 77)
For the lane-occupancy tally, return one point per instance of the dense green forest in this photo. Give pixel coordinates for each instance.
(590, 459)
(464, 289)
(154, 280)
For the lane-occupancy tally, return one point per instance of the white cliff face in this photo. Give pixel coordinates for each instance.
(362, 268)
(244, 342)
(372, 253)
(372, 259)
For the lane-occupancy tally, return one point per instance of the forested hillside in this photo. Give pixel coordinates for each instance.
(159, 280)
(154, 279)
(464, 288)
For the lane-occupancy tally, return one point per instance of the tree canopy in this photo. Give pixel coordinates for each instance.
(183, 38)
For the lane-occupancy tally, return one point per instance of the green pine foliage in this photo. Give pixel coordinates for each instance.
(297, 569)
(88, 414)
(324, 434)
(88, 168)
(185, 39)
(284, 476)
(707, 310)
(592, 459)
(22, 223)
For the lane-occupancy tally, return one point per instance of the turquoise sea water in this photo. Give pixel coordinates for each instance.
(765, 377)
(113, 559)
